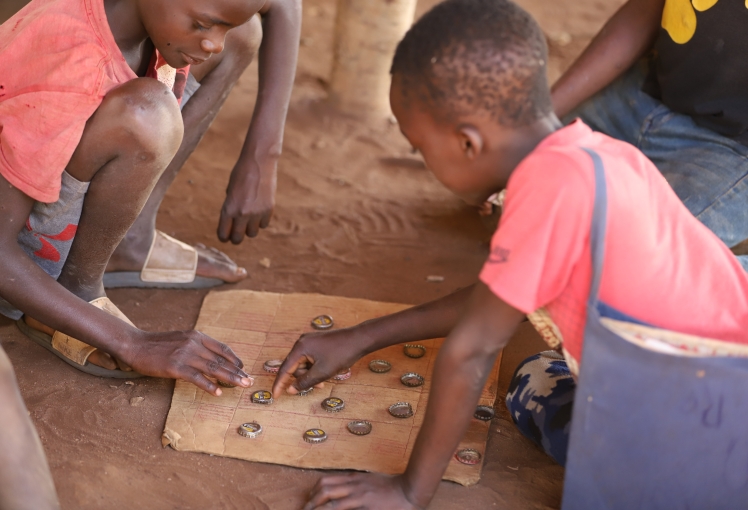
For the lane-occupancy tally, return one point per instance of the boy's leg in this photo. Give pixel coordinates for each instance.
(25, 480)
(126, 145)
(540, 400)
(217, 77)
(706, 170)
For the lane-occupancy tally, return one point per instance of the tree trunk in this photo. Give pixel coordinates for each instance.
(366, 35)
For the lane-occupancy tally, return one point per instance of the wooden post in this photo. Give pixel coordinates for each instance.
(366, 35)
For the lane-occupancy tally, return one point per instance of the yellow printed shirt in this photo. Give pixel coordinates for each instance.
(699, 67)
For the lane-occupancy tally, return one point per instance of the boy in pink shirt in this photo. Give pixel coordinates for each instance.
(474, 100)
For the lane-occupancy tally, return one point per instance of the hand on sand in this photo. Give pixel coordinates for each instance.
(359, 491)
(250, 199)
(316, 358)
(188, 355)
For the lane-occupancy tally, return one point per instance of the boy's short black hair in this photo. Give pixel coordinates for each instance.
(465, 56)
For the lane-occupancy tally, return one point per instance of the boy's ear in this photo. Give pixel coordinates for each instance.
(471, 141)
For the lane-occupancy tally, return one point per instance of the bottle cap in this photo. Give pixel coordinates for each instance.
(468, 456)
(484, 413)
(225, 385)
(380, 366)
(322, 322)
(304, 393)
(401, 410)
(333, 404)
(272, 365)
(342, 375)
(414, 350)
(359, 427)
(411, 379)
(261, 397)
(315, 436)
(251, 429)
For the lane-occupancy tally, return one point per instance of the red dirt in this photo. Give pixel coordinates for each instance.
(357, 215)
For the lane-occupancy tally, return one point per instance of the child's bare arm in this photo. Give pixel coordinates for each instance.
(461, 370)
(320, 356)
(624, 39)
(250, 198)
(178, 355)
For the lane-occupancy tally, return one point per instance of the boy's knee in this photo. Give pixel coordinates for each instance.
(243, 42)
(148, 113)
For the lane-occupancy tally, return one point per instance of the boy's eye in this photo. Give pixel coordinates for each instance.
(201, 27)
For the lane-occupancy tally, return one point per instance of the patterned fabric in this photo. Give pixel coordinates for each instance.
(540, 400)
(49, 232)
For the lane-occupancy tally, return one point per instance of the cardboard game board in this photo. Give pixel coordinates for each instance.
(261, 326)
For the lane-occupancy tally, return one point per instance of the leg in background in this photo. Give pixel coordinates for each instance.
(217, 77)
(25, 480)
(540, 401)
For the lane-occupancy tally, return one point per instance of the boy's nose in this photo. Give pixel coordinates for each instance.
(212, 46)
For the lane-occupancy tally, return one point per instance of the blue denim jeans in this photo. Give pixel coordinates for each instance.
(708, 172)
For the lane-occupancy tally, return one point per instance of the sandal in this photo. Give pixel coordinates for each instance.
(74, 352)
(170, 264)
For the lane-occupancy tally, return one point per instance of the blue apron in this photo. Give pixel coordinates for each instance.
(651, 430)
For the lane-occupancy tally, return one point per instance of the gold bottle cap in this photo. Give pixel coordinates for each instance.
(261, 397)
(322, 322)
(333, 404)
(272, 365)
(414, 350)
(411, 380)
(484, 413)
(401, 410)
(342, 375)
(380, 366)
(251, 429)
(304, 393)
(359, 427)
(315, 436)
(468, 456)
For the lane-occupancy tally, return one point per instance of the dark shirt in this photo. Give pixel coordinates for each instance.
(706, 77)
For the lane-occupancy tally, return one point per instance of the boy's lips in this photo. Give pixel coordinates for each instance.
(193, 61)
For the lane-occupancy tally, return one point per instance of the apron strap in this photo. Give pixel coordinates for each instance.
(599, 225)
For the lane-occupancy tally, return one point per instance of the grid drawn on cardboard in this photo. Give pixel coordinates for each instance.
(260, 326)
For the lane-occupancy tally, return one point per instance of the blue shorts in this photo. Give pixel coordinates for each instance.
(705, 169)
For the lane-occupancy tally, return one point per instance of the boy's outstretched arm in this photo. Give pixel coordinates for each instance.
(250, 197)
(624, 39)
(465, 360)
(187, 355)
(316, 357)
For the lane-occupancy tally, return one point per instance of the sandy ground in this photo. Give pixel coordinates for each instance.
(357, 215)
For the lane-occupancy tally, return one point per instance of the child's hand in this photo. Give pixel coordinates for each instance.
(250, 199)
(317, 357)
(187, 355)
(359, 490)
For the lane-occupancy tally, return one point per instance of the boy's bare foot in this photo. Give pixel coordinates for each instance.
(131, 254)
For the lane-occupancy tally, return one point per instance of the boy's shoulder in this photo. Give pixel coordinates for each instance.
(561, 163)
(62, 45)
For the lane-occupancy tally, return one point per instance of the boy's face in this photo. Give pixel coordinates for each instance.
(188, 32)
(457, 155)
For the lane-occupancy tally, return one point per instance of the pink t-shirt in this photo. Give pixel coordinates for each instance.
(662, 266)
(58, 59)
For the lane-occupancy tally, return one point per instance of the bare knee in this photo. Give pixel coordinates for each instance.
(149, 114)
(243, 42)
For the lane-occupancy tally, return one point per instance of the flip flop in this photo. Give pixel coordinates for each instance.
(170, 264)
(74, 352)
